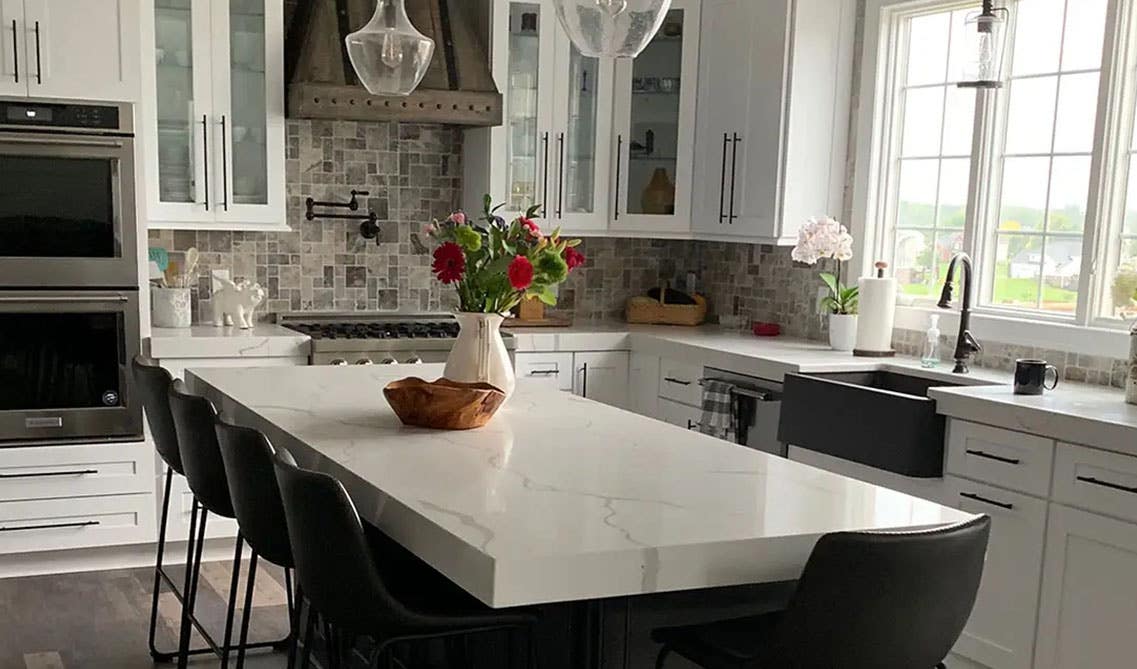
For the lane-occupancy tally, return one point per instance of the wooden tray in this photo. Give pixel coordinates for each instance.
(443, 404)
(542, 323)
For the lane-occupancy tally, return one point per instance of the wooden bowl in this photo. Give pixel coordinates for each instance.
(443, 404)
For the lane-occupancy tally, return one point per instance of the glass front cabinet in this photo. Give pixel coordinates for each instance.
(214, 110)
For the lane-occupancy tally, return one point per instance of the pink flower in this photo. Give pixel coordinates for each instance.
(429, 229)
(531, 227)
(573, 258)
(458, 218)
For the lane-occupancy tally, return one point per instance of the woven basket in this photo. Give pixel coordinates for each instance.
(647, 310)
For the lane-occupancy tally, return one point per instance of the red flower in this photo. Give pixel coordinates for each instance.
(573, 258)
(520, 273)
(531, 227)
(449, 263)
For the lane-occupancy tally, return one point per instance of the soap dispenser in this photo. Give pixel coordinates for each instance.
(931, 355)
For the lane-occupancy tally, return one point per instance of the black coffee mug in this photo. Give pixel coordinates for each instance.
(1030, 377)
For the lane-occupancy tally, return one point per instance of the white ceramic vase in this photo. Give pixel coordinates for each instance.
(842, 332)
(170, 307)
(479, 354)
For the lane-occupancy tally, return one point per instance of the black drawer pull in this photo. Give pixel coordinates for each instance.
(49, 526)
(73, 472)
(544, 372)
(996, 458)
(1106, 484)
(977, 498)
(677, 381)
(692, 425)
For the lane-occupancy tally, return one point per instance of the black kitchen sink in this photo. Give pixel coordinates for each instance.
(880, 419)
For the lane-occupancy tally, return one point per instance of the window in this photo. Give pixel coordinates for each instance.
(1023, 178)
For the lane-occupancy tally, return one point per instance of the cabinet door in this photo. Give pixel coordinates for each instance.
(655, 127)
(176, 109)
(83, 49)
(13, 48)
(1088, 615)
(602, 376)
(1000, 632)
(643, 384)
(581, 146)
(556, 368)
(248, 112)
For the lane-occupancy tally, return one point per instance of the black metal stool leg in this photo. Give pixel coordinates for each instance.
(663, 653)
(192, 576)
(294, 605)
(234, 582)
(184, 634)
(248, 610)
(157, 655)
(309, 635)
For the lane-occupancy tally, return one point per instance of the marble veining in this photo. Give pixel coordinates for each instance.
(559, 497)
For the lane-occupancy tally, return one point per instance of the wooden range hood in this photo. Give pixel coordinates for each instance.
(458, 87)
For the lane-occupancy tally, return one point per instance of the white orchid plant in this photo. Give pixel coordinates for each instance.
(822, 238)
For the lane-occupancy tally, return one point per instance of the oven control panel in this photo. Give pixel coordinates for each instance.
(60, 116)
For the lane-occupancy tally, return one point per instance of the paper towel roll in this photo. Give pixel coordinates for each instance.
(877, 312)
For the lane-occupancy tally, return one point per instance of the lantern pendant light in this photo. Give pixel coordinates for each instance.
(986, 35)
(389, 55)
(611, 28)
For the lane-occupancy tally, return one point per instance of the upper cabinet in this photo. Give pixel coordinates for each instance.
(70, 49)
(214, 115)
(775, 80)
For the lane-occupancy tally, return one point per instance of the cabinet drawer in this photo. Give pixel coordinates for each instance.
(58, 524)
(679, 381)
(554, 367)
(44, 472)
(1096, 480)
(1005, 458)
(679, 414)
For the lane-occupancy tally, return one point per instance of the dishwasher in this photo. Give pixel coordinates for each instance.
(755, 407)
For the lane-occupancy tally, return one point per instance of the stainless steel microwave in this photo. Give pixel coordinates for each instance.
(67, 205)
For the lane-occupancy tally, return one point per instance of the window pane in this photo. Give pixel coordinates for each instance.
(923, 111)
(959, 122)
(1018, 263)
(913, 261)
(1030, 121)
(1082, 43)
(917, 201)
(1077, 113)
(955, 175)
(1038, 36)
(1069, 188)
(1130, 225)
(1024, 193)
(1122, 302)
(1061, 269)
(928, 49)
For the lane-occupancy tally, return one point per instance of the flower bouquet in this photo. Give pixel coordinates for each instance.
(827, 238)
(494, 265)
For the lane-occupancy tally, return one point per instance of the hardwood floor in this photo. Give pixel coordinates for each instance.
(98, 620)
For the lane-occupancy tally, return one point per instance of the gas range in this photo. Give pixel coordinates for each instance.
(361, 338)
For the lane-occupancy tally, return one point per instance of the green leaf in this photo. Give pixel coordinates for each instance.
(547, 297)
(831, 282)
(531, 212)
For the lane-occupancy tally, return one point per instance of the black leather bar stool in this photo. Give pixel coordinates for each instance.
(247, 455)
(194, 418)
(345, 583)
(866, 600)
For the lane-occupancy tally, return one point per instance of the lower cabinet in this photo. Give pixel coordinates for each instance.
(682, 415)
(1000, 633)
(643, 393)
(75, 522)
(602, 376)
(554, 368)
(1088, 615)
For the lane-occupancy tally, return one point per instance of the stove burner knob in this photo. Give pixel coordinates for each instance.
(389, 361)
(339, 362)
(414, 360)
(364, 361)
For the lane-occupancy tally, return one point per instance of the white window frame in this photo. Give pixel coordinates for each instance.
(1085, 332)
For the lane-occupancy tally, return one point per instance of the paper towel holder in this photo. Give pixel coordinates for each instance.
(880, 267)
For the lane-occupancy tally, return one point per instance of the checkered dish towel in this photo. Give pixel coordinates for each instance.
(718, 409)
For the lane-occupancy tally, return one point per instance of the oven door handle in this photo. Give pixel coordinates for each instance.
(55, 140)
(64, 299)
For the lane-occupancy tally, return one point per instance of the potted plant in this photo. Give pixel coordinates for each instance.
(494, 265)
(826, 238)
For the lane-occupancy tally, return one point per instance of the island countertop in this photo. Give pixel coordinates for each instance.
(558, 498)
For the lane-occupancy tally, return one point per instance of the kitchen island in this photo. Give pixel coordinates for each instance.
(559, 498)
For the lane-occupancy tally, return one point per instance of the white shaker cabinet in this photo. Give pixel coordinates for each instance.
(643, 384)
(71, 49)
(774, 88)
(213, 114)
(602, 376)
(1088, 615)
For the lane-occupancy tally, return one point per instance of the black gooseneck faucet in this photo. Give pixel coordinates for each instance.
(965, 343)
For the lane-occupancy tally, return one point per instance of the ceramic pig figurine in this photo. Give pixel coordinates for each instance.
(236, 303)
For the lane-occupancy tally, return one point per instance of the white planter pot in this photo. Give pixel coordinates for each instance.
(842, 332)
(170, 307)
(479, 354)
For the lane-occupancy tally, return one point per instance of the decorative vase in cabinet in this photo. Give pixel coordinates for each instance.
(659, 195)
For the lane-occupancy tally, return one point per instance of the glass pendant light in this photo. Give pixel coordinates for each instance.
(611, 28)
(389, 55)
(985, 34)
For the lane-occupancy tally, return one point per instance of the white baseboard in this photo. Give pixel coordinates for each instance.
(110, 557)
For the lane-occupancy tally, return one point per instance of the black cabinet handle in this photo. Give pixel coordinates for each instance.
(545, 187)
(48, 526)
(619, 166)
(584, 380)
(722, 179)
(205, 157)
(996, 458)
(676, 381)
(692, 425)
(544, 372)
(977, 498)
(16, 51)
(1106, 484)
(39, 70)
(733, 175)
(224, 166)
(561, 174)
(73, 472)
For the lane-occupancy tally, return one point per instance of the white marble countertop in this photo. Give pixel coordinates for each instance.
(559, 497)
(206, 341)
